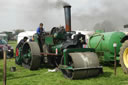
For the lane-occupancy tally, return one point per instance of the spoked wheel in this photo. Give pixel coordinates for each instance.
(124, 56)
(31, 55)
(83, 65)
(54, 30)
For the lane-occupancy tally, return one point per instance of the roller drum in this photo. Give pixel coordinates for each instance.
(85, 64)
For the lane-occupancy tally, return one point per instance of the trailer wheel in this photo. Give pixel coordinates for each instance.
(31, 55)
(124, 56)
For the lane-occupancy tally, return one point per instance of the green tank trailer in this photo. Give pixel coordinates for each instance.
(103, 44)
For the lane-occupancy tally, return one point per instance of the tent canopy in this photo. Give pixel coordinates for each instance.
(28, 34)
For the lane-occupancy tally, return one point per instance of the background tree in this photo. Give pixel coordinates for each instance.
(18, 31)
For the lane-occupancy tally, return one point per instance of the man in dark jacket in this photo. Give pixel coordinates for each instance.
(21, 43)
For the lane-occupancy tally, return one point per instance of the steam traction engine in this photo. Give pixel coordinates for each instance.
(57, 48)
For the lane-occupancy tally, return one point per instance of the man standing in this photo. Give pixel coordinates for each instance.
(40, 29)
(21, 43)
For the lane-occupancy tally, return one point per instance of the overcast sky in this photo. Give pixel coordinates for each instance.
(27, 14)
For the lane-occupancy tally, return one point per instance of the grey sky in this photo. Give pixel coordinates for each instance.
(27, 14)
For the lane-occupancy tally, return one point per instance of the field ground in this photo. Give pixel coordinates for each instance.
(42, 77)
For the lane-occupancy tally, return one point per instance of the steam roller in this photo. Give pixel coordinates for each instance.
(58, 48)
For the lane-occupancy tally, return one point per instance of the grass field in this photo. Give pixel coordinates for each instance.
(42, 77)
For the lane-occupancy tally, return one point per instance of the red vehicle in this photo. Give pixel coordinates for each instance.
(10, 52)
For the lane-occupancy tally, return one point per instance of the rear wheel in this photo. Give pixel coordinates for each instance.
(18, 59)
(124, 56)
(31, 55)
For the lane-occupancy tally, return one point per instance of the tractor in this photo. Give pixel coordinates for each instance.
(124, 54)
(57, 48)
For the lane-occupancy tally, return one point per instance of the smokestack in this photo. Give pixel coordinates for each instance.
(67, 10)
(126, 26)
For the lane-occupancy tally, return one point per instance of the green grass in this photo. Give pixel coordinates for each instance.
(41, 77)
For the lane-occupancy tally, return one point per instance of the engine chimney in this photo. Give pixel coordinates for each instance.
(67, 11)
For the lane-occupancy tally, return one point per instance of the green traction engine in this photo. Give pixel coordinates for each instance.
(58, 49)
